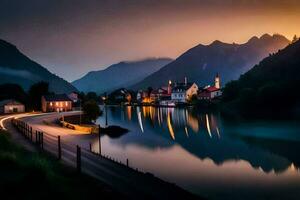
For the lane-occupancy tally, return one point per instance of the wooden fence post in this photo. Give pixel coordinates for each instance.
(31, 134)
(127, 162)
(59, 147)
(36, 137)
(42, 140)
(78, 165)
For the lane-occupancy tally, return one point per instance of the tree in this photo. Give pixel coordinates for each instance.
(149, 90)
(92, 96)
(13, 91)
(36, 92)
(91, 110)
(295, 39)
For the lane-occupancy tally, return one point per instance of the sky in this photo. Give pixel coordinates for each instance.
(73, 37)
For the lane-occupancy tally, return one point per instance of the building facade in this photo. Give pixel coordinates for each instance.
(11, 106)
(183, 92)
(211, 92)
(56, 103)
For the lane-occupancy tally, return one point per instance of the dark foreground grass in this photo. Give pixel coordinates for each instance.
(26, 175)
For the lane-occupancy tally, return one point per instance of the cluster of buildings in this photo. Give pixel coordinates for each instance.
(171, 95)
(180, 93)
(50, 103)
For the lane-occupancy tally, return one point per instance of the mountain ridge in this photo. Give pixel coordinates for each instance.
(200, 63)
(119, 75)
(17, 68)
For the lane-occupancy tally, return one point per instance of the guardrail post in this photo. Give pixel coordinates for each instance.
(31, 134)
(42, 140)
(36, 136)
(59, 147)
(78, 164)
(90, 147)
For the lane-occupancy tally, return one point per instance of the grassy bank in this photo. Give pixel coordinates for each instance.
(28, 175)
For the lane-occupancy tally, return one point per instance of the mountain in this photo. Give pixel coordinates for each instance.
(201, 63)
(119, 75)
(16, 68)
(269, 89)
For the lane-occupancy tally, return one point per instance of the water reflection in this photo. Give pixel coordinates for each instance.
(197, 139)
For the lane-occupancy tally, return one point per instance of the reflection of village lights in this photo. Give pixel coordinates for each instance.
(140, 118)
(193, 123)
(292, 167)
(207, 125)
(144, 112)
(218, 132)
(158, 116)
(170, 126)
(186, 131)
(129, 112)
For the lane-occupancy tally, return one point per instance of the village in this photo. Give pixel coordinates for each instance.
(174, 94)
(180, 93)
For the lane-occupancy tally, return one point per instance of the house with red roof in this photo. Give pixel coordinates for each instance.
(211, 92)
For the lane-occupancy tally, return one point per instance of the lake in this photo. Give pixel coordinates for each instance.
(207, 155)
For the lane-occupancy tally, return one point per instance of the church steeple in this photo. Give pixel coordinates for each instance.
(217, 81)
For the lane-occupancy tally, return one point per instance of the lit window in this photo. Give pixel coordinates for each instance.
(56, 103)
(61, 104)
(51, 104)
(66, 103)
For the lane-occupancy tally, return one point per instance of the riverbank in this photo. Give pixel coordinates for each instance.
(35, 175)
(126, 180)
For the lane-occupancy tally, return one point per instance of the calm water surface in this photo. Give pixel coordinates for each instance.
(207, 156)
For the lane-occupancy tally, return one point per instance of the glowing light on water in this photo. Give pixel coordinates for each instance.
(170, 126)
(218, 132)
(186, 131)
(207, 125)
(139, 115)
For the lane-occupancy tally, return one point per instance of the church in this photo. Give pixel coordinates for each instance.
(211, 92)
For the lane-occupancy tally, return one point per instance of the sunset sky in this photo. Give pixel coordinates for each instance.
(72, 37)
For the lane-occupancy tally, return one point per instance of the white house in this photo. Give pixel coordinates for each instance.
(11, 106)
(182, 92)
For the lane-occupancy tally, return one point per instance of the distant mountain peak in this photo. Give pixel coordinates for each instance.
(120, 75)
(217, 43)
(228, 59)
(265, 36)
(253, 39)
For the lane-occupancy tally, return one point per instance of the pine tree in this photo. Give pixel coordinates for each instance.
(295, 39)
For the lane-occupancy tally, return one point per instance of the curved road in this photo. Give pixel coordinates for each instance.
(134, 184)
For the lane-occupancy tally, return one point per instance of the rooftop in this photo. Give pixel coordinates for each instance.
(57, 97)
(9, 102)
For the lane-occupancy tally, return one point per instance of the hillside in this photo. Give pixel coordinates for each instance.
(16, 68)
(201, 63)
(119, 75)
(269, 89)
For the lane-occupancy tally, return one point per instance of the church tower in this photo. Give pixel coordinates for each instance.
(217, 81)
(169, 87)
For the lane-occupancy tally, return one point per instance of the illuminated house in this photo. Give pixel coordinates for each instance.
(11, 106)
(183, 92)
(211, 92)
(56, 103)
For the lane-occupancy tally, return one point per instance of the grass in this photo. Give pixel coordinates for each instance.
(28, 175)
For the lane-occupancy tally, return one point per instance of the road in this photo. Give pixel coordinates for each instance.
(136, 185)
